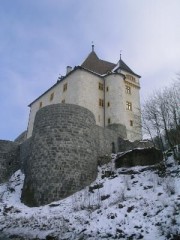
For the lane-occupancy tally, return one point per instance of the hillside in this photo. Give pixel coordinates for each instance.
(133, 203)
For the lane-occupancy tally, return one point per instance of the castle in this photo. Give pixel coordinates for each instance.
(110, 91)
(74, 126)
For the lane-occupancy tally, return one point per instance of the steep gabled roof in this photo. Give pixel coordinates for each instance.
(93, 63)
(122, 66)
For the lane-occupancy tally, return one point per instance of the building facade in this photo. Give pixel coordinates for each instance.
(110, 91)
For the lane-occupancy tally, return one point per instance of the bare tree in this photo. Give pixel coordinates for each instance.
(151, 119)
(174, 107)
(161, 116)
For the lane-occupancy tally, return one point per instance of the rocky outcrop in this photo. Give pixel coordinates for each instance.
(139, 157)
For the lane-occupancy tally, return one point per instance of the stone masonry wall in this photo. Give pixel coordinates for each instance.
(63, 156)
(106, 140)
(120, 129)
(126, 145)
(21, 138)
(25, 151)
(9, 159)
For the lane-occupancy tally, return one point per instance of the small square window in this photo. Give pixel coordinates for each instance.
(131, 123)
(109, 120)
(40, 105)
(51, 96)
(101, 102)
(63, 101)
(107, 89)
(65, 87)
(101, 86)
(108, 104)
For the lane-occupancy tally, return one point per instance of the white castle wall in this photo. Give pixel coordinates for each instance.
(133, 132)
(89, 95)
(83, 90)
(114, 96)
(117, 97)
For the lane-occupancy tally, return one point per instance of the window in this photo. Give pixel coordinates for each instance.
(107, 89)
(40, 105)
(130, 77)
(129, 106)
(51, 96)
(108, 104)
(63, 101)
(65, 87)
(101, 102)
(101, 86)
(99, 118)
(109, 120)
(128, 89)
(131, 123)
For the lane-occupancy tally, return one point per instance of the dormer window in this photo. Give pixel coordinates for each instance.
(130, 77)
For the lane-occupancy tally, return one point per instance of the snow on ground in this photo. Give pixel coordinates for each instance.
(133, 203)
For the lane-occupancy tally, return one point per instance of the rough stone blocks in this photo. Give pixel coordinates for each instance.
(9, 159)
(63, 157)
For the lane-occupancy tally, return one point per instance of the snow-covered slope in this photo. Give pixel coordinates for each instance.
(134, 203)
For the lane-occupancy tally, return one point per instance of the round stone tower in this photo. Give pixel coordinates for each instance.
(63, 158)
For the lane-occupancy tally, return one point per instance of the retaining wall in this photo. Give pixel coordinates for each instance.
(106, 141)
(25, 151)
(125, 145)
(62, 155)
(21, 138)
(120, 129)
(9, 159)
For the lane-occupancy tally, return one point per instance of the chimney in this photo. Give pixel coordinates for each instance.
(68, 69)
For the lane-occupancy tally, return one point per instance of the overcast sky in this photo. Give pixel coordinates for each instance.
(38, 39)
